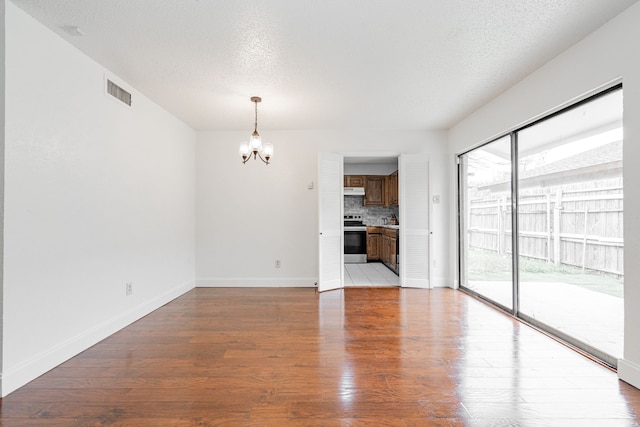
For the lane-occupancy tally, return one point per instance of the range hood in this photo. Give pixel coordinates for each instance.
(353, 191)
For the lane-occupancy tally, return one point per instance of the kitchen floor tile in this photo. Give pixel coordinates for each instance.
(370, 274)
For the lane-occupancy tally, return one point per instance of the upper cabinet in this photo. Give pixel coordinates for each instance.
(374, 190)
(354, 180)
(391, 190)
(379, 190)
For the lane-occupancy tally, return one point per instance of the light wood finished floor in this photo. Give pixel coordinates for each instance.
(356, 357)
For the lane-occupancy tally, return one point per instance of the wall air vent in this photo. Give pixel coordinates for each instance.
(119, 93)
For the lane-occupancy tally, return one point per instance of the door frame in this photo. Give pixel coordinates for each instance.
(430, 208)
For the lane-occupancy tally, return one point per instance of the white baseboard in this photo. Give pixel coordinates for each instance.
(289, 282)
(39, 364)
(416, 283)
(629, 372)
(441, 282)
(295, 282)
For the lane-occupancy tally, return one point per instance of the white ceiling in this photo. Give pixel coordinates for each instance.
(331, 64)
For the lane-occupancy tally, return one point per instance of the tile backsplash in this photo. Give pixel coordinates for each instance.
(371, 215)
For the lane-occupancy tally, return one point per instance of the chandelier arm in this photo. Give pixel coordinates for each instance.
(261, 158)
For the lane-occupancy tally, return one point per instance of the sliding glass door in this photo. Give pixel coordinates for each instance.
(567, 267)
(485, 196)
(570, 224)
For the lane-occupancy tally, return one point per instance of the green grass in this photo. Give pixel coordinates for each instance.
(487, 265)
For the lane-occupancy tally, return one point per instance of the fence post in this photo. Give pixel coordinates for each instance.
(500, 226)
(584, 239)
(548, 227)
(557, 208)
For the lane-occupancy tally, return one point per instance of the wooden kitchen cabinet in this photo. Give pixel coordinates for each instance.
(354, 180)
(374, 243)
(382, 244)
(389, 249)
(391, 190)
(393, 255)
(374, 190)
(379, 190)
(384, 250)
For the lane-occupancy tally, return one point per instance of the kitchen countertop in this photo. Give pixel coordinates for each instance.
(394, 227)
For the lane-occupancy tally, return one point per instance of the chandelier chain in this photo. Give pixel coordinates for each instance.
(255, 125)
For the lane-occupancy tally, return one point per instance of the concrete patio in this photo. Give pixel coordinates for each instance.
(592, 317)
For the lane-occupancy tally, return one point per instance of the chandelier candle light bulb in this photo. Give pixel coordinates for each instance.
(255, 146)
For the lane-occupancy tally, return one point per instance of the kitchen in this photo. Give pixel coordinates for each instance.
(371, 228)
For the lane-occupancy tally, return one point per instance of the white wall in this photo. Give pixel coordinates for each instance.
(250, 215)
(370, 169)
(97, 194)
(606, 55)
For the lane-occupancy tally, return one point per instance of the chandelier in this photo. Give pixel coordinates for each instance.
(255, 145)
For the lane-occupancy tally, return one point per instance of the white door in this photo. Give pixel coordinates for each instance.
(413, 179)
(330, 221)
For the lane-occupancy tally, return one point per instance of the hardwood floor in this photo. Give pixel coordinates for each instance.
(290, 357)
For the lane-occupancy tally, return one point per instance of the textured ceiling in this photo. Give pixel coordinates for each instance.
(330, 64)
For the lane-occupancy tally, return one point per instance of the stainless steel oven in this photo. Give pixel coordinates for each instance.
(355, 240)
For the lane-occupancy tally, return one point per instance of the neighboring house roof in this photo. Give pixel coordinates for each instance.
(601, 155)
(604, 158)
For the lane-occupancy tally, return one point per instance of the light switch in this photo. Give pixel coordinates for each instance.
(310, 186)
(436, 199)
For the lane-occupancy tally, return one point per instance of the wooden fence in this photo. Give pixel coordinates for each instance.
(578, 227)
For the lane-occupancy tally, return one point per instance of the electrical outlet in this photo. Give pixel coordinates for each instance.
(129, 288)
(277, 264)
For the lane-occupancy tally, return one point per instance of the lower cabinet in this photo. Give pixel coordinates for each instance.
(382, 245)
(374, 243)
(390, 249)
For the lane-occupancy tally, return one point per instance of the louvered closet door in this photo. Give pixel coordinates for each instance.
(413, 178)
(330, 219)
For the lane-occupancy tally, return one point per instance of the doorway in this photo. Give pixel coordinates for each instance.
(413, 234)
(376, 208)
